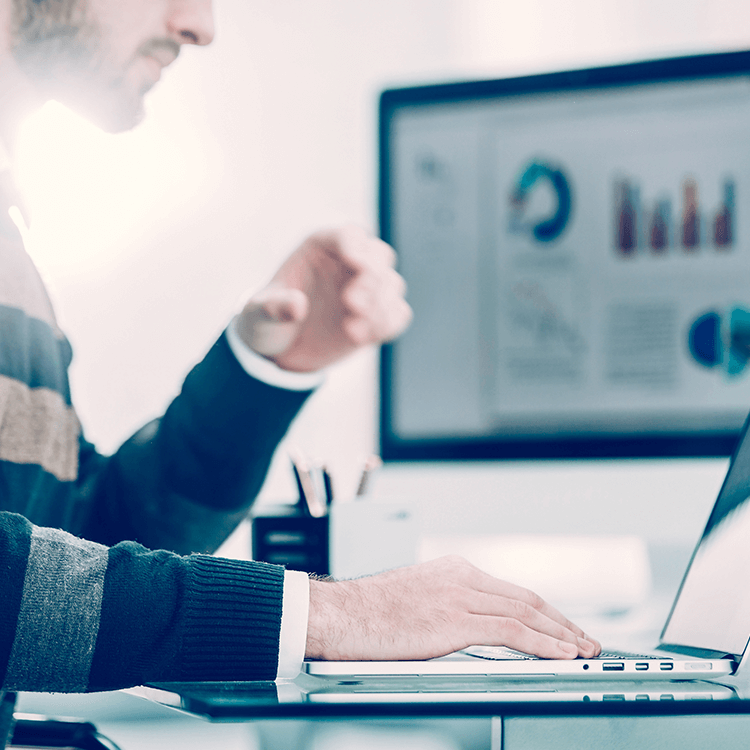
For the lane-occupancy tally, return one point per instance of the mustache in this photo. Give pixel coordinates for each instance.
(160, 48)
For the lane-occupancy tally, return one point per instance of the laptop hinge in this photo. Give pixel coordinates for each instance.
(701, 653)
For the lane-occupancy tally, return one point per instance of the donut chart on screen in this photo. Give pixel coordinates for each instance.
(719, 339)
(549, 228)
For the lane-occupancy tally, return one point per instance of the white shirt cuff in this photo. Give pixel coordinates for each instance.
(263, 369)
(294, 614)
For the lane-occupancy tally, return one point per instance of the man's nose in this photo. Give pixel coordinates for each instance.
(191, 21)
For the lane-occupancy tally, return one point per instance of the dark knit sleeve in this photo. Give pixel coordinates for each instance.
(79, 616)
(184, 481)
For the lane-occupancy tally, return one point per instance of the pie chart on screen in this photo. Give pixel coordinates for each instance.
(721, 339)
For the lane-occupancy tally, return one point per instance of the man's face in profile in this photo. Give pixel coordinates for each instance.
(102, 56)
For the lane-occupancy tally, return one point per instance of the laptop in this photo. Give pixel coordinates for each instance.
(705, 636)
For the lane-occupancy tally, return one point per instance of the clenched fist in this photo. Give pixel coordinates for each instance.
(337, 292)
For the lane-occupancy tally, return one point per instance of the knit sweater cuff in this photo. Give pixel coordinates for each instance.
(232, 620)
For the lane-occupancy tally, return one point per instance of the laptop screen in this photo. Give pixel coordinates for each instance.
(712, 609)
(577, 253)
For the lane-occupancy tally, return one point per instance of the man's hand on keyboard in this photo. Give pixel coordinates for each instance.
(433, 609)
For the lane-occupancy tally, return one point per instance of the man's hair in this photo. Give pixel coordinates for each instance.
(44, 31)
(41, 22)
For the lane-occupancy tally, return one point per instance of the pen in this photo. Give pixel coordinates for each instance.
(309, 495)
(328, 486)
(301, 500)
(372, 463)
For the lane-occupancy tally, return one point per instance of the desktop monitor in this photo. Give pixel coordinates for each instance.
(577, 252)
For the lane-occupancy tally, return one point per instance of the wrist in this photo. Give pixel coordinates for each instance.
(265, 369)
(328, 623)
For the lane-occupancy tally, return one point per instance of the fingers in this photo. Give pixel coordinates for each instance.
(362, 330)
(542, 628)
(517, 635)
(484, 582)
(528, 600)
(270, 321)
(375, 293)
(350, 277)
(377, 310)
(279, 305)
(517, 624)
(357, 249)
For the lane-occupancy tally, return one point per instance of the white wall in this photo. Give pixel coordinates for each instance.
(263, 137)
(500, 38)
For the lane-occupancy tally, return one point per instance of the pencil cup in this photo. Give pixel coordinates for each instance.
(283, 535)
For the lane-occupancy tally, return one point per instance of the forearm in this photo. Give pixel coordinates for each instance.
(185, 481)
(79, 616)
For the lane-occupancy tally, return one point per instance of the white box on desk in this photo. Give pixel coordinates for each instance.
(368, 537)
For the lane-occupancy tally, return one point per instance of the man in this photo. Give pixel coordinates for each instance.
(101, 610)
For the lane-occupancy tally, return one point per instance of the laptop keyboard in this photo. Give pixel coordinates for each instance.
(502, 653)
(627, 655)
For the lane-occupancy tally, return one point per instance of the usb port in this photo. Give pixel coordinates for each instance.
(666, 666)
(614, 697)
(641, 666)
(613, 666)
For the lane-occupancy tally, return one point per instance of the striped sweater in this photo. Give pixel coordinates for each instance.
(87, 604)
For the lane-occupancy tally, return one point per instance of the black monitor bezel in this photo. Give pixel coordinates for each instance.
(652, 445)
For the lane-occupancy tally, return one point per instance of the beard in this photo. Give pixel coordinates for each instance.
(60, 49)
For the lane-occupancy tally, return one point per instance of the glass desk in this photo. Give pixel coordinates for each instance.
(523, 714)
(312, 698)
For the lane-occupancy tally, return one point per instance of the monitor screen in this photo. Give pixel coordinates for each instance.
(577, 253)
